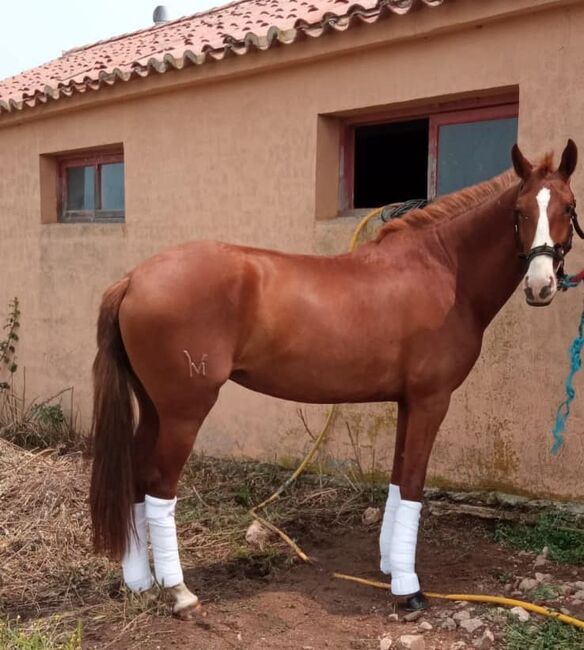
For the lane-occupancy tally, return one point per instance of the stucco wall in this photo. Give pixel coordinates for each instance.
(236, 159)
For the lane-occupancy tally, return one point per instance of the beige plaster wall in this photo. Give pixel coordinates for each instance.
(236, 159)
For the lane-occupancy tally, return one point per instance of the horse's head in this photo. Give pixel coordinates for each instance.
(545, 218)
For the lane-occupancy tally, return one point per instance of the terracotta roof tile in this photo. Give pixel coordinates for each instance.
(212, 35)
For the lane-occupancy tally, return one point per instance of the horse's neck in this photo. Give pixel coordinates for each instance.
(484, 249)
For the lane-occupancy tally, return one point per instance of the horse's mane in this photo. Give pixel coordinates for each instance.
(457, 203)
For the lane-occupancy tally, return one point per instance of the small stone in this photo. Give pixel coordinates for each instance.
(461, 616)
(411, 642)
(579, 595)
(527, 584)
(413, 616)
(565, 611)
(520, 613)
(543, 577)
(578, 585)
(471, 625)
(425, 626)
(565, 590)
(385, 642)
(256, 535)
(449, 624)
(545, 551)
(540, 560)
(511, 499)
(517, 593)
(371, 516)
(486, 641)
(577, 601)
(393, 618)
(459, 645)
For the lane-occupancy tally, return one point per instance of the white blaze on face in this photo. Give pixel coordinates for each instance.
(540, 273)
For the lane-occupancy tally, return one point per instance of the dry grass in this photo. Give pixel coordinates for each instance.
(46, 563)
(47, 567)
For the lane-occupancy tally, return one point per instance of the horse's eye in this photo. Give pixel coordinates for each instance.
(570, 209)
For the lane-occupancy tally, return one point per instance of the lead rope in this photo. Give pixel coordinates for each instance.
(563, 412)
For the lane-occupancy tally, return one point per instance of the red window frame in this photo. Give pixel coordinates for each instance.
(453, 114)
(96, 215)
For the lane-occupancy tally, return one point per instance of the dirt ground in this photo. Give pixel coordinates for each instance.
(303, 607)
(266, 598)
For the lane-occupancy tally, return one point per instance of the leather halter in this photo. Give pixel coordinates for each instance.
(557, 252)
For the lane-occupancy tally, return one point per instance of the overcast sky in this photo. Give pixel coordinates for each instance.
(36, 31)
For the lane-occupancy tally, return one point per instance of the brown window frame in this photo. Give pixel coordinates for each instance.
(96, 160)
(451, 113)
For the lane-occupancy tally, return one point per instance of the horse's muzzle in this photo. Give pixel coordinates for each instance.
(540, 296)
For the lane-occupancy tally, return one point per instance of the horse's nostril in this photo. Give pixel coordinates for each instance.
(546, 292)
(529, 293)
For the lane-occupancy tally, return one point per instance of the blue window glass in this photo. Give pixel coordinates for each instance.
(472, 152)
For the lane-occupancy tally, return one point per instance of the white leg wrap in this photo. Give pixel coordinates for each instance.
(135, 564)
(160, 516)
(393, 500)
(404, 580)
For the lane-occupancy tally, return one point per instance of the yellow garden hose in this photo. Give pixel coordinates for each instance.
(361, 226)
(472, 598)
(498, 600)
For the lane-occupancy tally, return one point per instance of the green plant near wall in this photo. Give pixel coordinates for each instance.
(36, 424)
(8, 340)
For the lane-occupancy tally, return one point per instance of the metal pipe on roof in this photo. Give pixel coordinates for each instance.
(160, 15)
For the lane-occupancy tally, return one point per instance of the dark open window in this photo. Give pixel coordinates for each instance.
(400, 159)
(391, 162)
(92, 188)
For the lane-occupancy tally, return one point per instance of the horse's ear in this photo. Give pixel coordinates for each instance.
(569, 160)
(521, 165)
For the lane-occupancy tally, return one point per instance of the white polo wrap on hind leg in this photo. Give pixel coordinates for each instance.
(160, 516)
(404, 580)
(385, 537)
(135, 565)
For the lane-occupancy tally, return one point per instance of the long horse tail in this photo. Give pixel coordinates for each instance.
(111, 494)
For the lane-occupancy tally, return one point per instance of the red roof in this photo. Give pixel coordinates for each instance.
(211, 35)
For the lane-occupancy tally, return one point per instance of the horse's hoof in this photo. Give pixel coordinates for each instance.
(150, 595)
(191, 613)
(416, 602)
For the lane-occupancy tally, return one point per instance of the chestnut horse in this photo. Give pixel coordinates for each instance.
(181, 324)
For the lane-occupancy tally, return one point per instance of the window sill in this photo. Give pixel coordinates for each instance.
(112, 217)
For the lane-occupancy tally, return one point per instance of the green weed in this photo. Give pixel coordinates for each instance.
(545, 592)
(43, 635)
(559, 532)
(548, 635)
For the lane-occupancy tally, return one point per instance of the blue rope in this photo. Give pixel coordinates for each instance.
(567, 282)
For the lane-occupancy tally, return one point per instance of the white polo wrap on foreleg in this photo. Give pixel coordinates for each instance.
(160, 516)
(135, 565)
(404, 580)
(393, 500)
